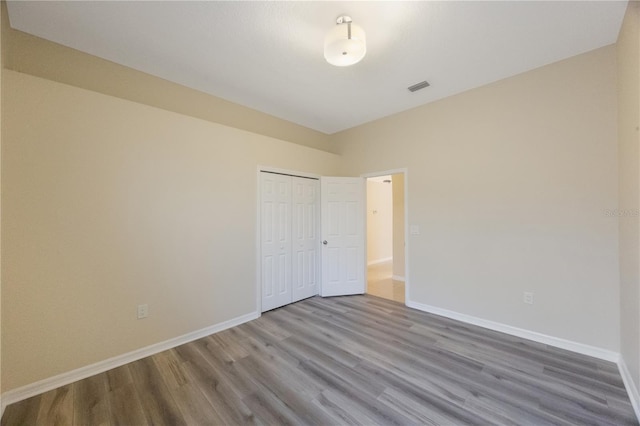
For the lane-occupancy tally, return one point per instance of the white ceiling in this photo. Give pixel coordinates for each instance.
(269, 55)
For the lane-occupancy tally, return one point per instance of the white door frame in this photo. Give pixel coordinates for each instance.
(269, 169)
(405, 172)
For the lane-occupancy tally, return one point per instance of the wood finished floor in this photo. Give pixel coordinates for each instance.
(380, 282)
(344, 360)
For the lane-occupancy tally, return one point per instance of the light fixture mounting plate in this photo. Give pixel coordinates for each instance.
(344, 19)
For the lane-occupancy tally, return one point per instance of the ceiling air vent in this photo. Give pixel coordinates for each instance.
(418, 86)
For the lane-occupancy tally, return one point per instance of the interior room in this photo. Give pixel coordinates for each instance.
(187, 190)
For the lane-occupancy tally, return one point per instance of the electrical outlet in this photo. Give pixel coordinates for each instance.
(528, 298)
(143, 311)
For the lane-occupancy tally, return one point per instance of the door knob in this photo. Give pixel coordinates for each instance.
(325, 242)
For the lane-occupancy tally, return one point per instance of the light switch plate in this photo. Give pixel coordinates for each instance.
(414, 230)
(143, 311)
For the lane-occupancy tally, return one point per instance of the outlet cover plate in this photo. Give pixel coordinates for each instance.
(143, 311)
(528, 298)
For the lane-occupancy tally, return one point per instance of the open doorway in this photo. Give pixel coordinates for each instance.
(385, 237)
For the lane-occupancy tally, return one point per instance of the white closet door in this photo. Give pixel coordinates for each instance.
(276, 240)
(306, 243)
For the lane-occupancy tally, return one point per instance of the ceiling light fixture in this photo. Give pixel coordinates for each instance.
(345, 44)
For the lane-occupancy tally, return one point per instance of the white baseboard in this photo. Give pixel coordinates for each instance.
(398, 278)
(377, 261)
(68, 377)
(630, 385)
(557, 342)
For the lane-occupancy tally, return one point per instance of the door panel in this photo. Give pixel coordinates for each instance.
(305, 239)
(343, 229)
(275, 240)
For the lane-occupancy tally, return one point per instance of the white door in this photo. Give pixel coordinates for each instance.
(343, 235)
(275, 240)
(306, 242)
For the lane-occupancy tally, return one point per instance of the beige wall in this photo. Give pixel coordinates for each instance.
(2, 12)
(398, 224)
(628, 49)
(509, 184)
(109, 204)
(379, 221)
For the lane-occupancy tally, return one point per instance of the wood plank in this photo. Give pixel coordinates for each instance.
(193, 405)
(214, 386)
(125, 406)
(56, 407)
(343, 410)
(118, 377)
(91, 406)
(226, 366)
(23, 412)
(354, 394)
(157, 402)
(281, 378)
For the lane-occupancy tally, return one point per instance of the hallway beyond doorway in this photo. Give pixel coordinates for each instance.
(380, 282)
